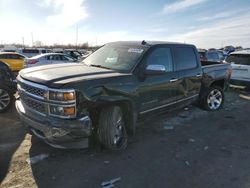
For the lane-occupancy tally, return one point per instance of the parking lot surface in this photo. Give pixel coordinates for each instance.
(186, 148)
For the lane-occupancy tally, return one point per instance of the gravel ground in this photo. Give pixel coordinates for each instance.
(186, 148)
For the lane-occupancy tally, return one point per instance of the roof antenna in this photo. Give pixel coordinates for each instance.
(143, 42)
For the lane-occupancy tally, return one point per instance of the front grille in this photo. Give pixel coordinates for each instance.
(33, 96)
(32, 103)
(33, 90)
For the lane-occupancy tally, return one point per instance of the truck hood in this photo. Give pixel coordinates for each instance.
(60, 74)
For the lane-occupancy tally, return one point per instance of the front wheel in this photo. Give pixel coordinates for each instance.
(214, 98)
(111, 129)
(6, 98)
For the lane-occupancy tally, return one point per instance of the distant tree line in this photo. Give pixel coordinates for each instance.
(38, 44)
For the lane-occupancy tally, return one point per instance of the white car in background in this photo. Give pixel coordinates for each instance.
(47, 59)
(240, 61)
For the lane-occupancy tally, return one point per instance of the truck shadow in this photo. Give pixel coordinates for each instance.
(11, 136)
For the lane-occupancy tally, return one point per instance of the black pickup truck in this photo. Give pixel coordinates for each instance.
(65, 104)
(7, 87)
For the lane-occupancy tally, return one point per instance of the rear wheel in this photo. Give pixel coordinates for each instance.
(6, 98)
(214, 98)
(111, 130)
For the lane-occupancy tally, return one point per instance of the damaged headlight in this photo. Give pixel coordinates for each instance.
(64, 103)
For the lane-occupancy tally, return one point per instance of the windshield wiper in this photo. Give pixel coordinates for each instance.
(99, 66)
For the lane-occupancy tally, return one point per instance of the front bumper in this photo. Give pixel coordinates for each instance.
(57, 132)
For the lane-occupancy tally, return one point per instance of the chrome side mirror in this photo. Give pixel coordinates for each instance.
(155, 69)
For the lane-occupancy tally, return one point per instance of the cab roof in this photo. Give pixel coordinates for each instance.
(145, 43)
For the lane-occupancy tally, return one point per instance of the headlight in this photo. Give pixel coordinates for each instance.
(62, 96)
(62, 111)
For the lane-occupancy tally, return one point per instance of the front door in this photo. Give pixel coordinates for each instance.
(158, 91)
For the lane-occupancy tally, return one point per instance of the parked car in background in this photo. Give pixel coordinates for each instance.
(210, 55)
(73, 53)
(7, 87)
(44, 50)
(29, 52)
(240, 61)
(48, 58)
(222, 55)
(13, 59)
(229, 49)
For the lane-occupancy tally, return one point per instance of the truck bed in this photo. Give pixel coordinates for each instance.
(214, 67)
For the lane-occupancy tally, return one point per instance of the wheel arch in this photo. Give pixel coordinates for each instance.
(127, 105)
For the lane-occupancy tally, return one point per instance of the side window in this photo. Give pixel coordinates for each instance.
(63, 58)
(47, 57)
(185, 58)
(161, 56)
(16, 56)
(1, 56)
(56, 57)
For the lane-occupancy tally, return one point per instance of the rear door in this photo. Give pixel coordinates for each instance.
(189, 72)
(158, 91)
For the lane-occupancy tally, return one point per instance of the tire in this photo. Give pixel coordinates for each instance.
(111, 129)
(214, 99)
(6, 98)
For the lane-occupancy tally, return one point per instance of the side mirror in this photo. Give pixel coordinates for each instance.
(155, 69)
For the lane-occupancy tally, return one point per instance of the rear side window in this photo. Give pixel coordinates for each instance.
(185, 58)
(161, 56)
(212, 55)
(16, 56)
(31, 51)
(241, 59)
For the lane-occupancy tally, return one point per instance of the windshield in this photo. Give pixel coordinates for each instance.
(120, 58)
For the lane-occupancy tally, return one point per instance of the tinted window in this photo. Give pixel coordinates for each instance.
(185, 58)
(66, 58)
(15, 56)
(56, 57)
(242, 59)
(161, 56)
(212, 56)
(30, 51)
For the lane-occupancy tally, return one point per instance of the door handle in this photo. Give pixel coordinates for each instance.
(173, 80)
(198, 75)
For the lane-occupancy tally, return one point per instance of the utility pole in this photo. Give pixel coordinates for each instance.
(23, 41)
(32, 39)
(76, 35)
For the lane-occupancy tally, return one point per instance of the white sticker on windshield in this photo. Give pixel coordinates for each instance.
(111, 60)
(135, 50)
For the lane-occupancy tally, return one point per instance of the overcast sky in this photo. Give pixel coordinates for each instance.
(204, 23)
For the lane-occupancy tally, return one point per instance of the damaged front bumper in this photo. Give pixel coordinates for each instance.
(57, 132)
